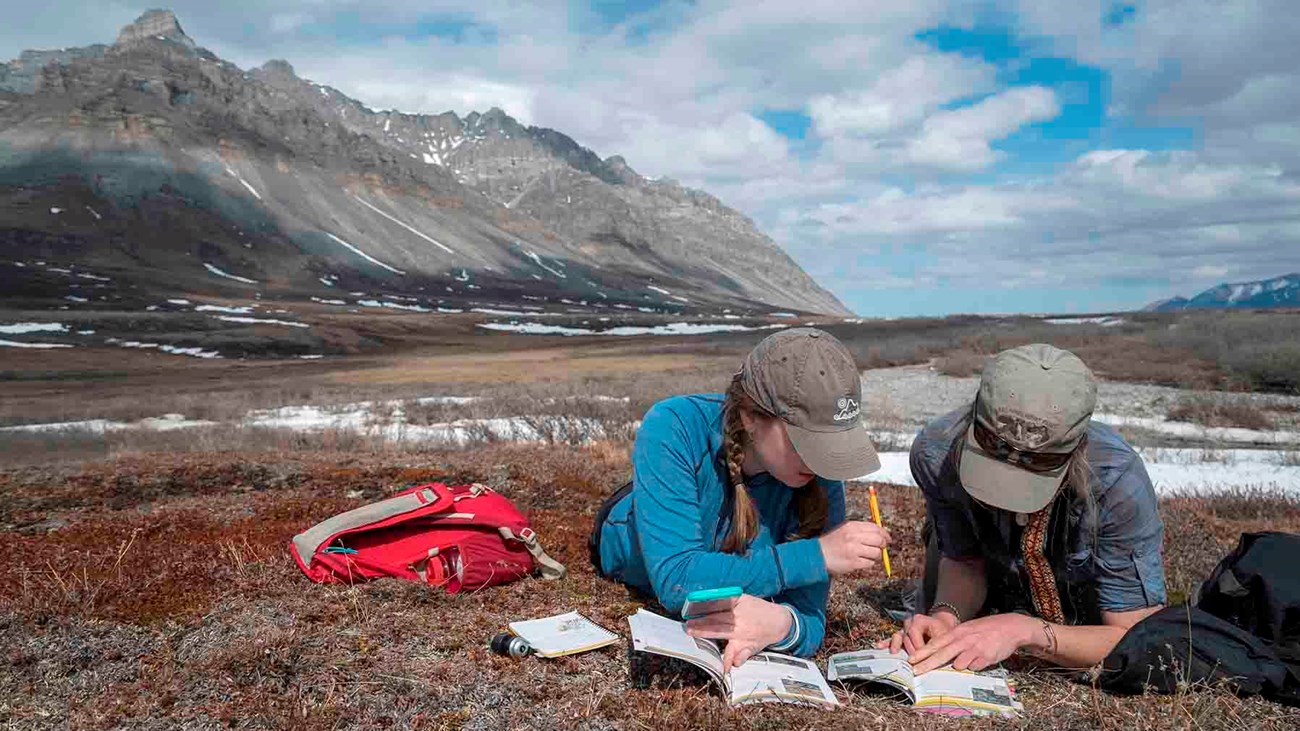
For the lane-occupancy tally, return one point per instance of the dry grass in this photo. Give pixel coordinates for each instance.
(157, 592)
(534, 365)
(961, 363)
(1261, 350)
(74, 446)
(1220, 412)
(1115, 356)
(1256, 351)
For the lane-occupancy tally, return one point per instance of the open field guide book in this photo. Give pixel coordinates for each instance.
(765, 678)
(944, 691)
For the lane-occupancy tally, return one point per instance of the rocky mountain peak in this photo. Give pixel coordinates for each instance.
(621, 170)
(280, 67)
(277, 72)
(156, 24)
(494, 119)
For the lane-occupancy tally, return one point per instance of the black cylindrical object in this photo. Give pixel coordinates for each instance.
(510, 645)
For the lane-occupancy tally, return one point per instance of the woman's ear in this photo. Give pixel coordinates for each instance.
(747, 420)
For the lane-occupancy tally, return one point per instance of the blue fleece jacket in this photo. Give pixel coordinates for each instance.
(665, 537)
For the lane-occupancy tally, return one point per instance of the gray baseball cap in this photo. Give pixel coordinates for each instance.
(1032, 410)
(808, 379)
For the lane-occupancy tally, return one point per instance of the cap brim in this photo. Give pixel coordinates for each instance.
(1003, 485)
(835, 455)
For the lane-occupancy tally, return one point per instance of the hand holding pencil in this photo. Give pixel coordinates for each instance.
(853, 546)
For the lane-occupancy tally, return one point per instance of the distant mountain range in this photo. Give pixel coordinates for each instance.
(157, 162)
(1277, 292)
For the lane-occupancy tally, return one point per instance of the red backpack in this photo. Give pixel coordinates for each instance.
(457, 537)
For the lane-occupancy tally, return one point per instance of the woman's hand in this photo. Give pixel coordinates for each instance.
(748, 627)
(853, 546)
(976, 644)
(918, 630)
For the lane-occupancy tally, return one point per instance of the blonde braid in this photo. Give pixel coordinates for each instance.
(744, 515)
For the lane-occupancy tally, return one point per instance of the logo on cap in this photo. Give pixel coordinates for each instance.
(848, 409)
(1021, 428)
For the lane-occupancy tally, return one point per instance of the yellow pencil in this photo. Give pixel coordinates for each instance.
(875, 515)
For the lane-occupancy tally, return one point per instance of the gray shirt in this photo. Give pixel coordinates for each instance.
(1115, 552)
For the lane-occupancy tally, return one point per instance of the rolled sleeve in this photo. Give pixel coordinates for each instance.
(799, 563)
(1130, 537)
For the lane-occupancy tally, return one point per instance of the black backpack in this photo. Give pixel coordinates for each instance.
(1244, 630)
(1257, 588)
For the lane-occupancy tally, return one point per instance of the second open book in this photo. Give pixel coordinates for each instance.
(769, 677)
(944, 691)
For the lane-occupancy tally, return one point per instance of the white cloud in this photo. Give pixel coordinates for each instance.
(1229, 67)
(910, 115)
(901, 96)
(1181, 177)
(1113, 213)
(934, 210)
(1211, 271)
(960, 139)
(738, 142)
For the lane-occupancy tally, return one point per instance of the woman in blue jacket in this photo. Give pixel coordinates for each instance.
(745, 489)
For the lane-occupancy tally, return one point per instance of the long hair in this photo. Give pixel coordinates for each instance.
(810, 502)
(1079, 475)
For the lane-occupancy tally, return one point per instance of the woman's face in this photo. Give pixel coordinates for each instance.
(772, 450)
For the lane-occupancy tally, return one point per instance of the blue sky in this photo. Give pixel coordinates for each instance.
(914, 156)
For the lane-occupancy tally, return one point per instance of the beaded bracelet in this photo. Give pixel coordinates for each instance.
(945, 605)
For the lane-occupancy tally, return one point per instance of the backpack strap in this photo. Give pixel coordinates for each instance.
(475, 490)
(550, 568)
(306, 543)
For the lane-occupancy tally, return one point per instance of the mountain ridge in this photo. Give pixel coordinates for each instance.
(156, 120)
(1283, 291)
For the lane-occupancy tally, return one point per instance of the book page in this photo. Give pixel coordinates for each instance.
(772, 678)
(663, 636)
(961, 692)
(873, 666)
(563, 634)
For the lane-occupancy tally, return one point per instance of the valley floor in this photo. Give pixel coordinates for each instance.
(148, 583)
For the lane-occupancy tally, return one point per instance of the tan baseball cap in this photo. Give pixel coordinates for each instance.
(808, 379)
(1034, 404)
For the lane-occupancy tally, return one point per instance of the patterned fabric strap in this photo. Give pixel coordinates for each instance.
(1042, 582)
